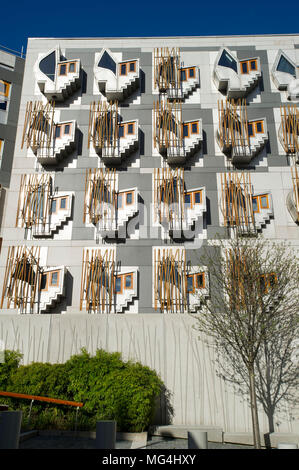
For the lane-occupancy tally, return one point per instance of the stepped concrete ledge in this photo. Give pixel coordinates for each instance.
(273, 439)
(215, 434)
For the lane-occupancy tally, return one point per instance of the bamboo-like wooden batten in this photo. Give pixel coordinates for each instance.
(103, 124)
(236, 273)
(233, 126)
(236, 201)
(168, 194)
(22, 277)
(295, 178)
(38, 130)
(98, 280)
(290, 128)
(167, 64)
(168, 126)
(170, 280)
(100, 191)
(34, 203)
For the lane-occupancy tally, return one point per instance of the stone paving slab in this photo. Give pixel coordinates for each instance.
(154, 442)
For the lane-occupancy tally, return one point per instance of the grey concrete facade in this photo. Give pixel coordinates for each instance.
(270, 171)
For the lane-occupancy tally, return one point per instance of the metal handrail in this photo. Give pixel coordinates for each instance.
(12, 51)
(38, 398)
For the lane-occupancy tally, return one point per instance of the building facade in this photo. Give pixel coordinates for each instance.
(11, 77)
(131, 155)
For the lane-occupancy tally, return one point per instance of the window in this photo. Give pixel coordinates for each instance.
(248, 66)
(62, 69)
(285, 66)
(121, 131)
(63, 203)
(106, 62)
(44, 282)
(66, 129)
(72, 67)
(129, 198)
(54, 276)
(267, 282)
(4, 88)
(190, 128)
(195, 281)
(127, 128)
(129, 281)
(255, 127)
(119, 201)
(260, 202)
(123, 282)
(123, 69)
(53, 206)
(130, 128)
(191, 72)
(127, 67)
(226, 60)
(62, 129)
(192, 198)
(118, 285)
(183, 75)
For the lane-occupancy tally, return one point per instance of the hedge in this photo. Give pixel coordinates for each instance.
(109, 388)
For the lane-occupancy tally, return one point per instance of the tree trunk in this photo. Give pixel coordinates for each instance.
(254, 413)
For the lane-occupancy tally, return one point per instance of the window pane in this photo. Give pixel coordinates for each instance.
(121, 131)
(107, 62)
(132, 67)
(264, 202)
(191, 73)
(254, 204)
(129, 198)
(119, 200)
(259, 127)
(227, 61)
(72, 67)
(183, 75)
(200, 281)
(185, 130)
(66, 129)
(188, 199)
(250, 129)
(123, 69)
(63, 203)
(3, 88)
(128, 281)
(62, 69)
(43, 281)
(244, 67)
(57, 131)
(189, 283)
(197, 198)
(118, 284)
(252, 65)
(130, 128)
(54, 279)
(194, 128)
(53, 206)
(285, 66)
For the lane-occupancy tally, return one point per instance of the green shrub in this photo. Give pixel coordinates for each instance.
(11, 363)
(108, 387)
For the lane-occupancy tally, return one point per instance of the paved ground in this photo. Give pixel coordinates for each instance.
(154, 442)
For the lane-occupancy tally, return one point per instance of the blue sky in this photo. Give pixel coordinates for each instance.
(73, 18)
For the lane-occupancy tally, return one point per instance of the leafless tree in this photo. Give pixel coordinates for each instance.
(252, 315)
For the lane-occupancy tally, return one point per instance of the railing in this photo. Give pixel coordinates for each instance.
(11, 51)
(46, 399)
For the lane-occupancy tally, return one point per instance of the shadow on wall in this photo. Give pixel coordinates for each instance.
(164, 411)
